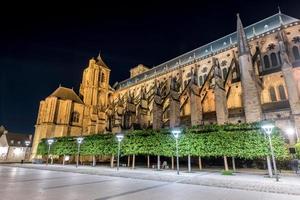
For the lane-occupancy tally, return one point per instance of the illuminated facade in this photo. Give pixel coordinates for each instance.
(14, 147)
(250, 75)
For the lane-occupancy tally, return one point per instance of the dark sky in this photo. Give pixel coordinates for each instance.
(43, 47)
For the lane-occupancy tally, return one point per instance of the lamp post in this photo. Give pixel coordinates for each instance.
(50, 142)
(268, 129)
(79, 142)
(119, 137)
(176, 133)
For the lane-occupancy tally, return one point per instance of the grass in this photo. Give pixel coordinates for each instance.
(227, 173)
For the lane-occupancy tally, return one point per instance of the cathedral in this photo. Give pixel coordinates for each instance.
(250, 75)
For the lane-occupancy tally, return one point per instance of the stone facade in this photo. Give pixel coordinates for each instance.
(14, 147)
(247, 76)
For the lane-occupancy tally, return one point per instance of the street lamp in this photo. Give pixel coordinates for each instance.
(50, 142)
(176, 133)
(119, 137)
(268, 129)
(79, 142)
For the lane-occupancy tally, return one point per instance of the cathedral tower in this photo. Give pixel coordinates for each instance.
(94, 90)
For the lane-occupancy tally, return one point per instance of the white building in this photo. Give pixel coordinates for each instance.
(14, 147)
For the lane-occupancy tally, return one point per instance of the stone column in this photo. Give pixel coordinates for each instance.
(142, 113)
(220, 95)
(157, 112)
(291, 86)
(250, 92)
(174, 109)
(196, 106)
(101, 122)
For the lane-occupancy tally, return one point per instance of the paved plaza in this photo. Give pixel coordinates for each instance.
(60, 182)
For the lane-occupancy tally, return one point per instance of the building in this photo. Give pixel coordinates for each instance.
(14, 147)
(250, 75)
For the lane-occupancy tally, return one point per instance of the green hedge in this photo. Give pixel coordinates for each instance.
(297, 147)
(242, 141)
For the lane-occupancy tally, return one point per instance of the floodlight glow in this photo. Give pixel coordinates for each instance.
(290, 131)
(79, 140)
(17, 151)
(120, 137)
(176, 133)
(50, 141)
(268, 128)
(27, 143)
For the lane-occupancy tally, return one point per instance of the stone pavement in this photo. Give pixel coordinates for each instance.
(242, 181)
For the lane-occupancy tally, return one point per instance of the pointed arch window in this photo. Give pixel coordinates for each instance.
(266, 61)
(296, 53)
(279, 58)
(205, 75)
(225, 72)
(75, 117)
(274, 60)
(282, 92)
(272, 94)
(200, 80)
(102, 77)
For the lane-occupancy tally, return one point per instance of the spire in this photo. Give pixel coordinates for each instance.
(100, 61)
(241, 38)
(99, 56)
(253, 30)
(279, 10)
(280, 17)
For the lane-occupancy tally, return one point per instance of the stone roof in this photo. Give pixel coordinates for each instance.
(18, 139)
(100, 62)
(2, 129)
(264, 26)
(66, 94)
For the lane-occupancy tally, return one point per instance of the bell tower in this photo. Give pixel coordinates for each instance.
(94, 89)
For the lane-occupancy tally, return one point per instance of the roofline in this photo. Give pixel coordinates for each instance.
(177, 57)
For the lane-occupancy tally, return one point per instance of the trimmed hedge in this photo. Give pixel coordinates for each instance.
(242, 141)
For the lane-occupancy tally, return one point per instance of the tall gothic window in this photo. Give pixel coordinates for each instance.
(75, 117)
(281, 92)
(266, 61)
(279, 58)
(225, 72)
(274, 60)
(102, 77)
(185, 83)
(205, 75)
(200, 80)
(272, 94)
(296, 53)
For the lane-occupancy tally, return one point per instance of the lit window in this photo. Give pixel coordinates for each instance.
(75, 117)
(272, 94)
(296, 53)
(266, 61)
(225, 72)
(274, 60)
(281, 92)
(102, 77)
(200, 80)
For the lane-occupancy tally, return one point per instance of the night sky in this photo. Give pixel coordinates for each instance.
(43, 47)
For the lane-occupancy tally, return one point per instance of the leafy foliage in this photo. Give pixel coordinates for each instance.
(242, 141)
(297, 147)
